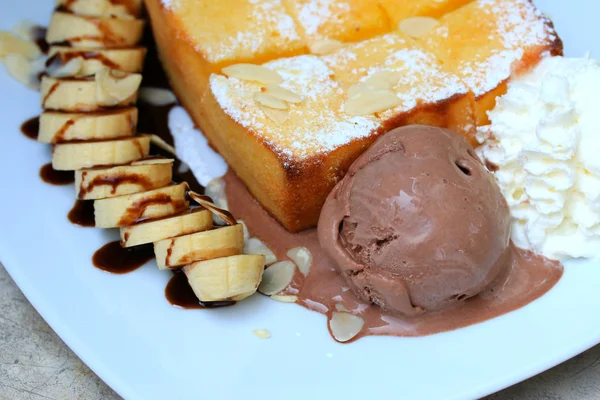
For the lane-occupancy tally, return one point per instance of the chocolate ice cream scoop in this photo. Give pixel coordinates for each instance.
(417, 224)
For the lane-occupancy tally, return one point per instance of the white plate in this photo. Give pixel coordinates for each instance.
(124, 329)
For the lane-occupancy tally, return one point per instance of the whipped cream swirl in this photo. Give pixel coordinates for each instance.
(544, 143)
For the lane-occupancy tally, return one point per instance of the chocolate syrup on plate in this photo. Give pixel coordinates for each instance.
(31, 128)
(54, 177)
(82, 213)
(180, 294)
(120, 260)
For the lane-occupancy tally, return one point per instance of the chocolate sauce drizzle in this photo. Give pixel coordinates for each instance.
(119, 260)
(180, 294)
(114, 181)
(82, 213)
(54, 177)
(31, 128)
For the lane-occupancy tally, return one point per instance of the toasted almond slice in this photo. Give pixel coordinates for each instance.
(277, 277)
(262, 333)
(267, 100)
(417, 26)
(11, 44)
(277, 116)
(71, 69)
(345, 326)
(207, 203)
(285, 298)
(325, 46)
(302, 257)
(161, 143)
(371, 101)
(157, 96)
(114, 86)
(383, 79)
(252, 72)
(256, 246)
(20, 68)
(154, 161)
(282, 94)
(26, 30)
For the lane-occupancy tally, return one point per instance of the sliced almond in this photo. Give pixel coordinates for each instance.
(25, 30)
(302, 257)
(207, 203)
(285, 298)
(20, 68)
(341, 307)
(282, 94)
(345, 326)
(161, 143)
(277, 277)
(417, 26)
(157, 96)
(383, 79)
(270, 101)
(371, 101)
(153, 161)
(325, 46)
(277, 116)
(256, 246)
(114, 87)
(11, 44)
(252, 72)
(262, 333)
(70, 69)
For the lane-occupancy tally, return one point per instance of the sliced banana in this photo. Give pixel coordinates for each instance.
(108, 88)
(190, 221)
(229, 278)
(178, 251)
(116, 212)
(79, 155)
(11, 44)
(95, 32)
(103, 8)
(57, 127)
(93, 60)
(102, 183)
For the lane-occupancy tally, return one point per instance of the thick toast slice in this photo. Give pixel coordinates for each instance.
(290, 164)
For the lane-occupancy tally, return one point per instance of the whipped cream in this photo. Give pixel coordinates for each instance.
(544, 139)
(193, 148)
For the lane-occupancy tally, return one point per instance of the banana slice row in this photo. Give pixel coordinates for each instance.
(94, 32)
(103, 8)
(190, 221)
(90, 60)
(72, 156)
(116, 212)
(199, 246)
(96, 71)
(58, 127)
(230, 278)
(108, 88)
(139, 176)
